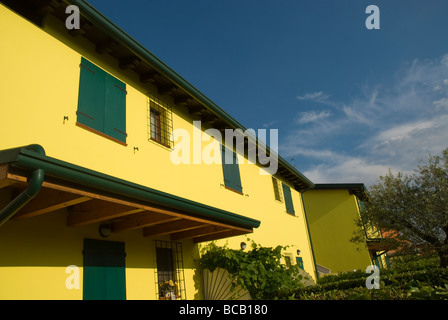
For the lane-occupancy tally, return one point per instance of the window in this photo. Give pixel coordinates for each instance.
(231, 171)
(288, 199)
(277, 190)
(170, 271)
(156, 133)
(104, 270)
(101, 103)
(160, 122)
(288, 259)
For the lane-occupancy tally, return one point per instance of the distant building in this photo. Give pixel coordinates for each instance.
(332, 211)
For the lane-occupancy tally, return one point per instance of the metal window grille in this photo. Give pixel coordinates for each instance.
(169, 275)
(277, 190)
(160, 122)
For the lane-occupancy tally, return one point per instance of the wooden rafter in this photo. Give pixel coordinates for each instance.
(97, 211)
(144, 219)
(170, 227)
(86, 207)
(216, 236)
(198, 232)
(49, 200)
(4, 181)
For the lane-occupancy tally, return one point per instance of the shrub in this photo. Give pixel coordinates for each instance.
(425, 283)
(258, 270)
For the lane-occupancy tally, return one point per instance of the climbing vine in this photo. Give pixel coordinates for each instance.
(258, 270)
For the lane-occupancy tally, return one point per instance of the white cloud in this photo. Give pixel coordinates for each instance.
(444, 60)
(312, 116)
(441, 104)
(270, 124)
(347, 170)
(404, 144)
(403, 131)
(389, 125)
(313, 96)
(318, 97)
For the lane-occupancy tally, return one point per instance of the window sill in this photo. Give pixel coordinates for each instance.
(160, 142)
(101, 134)
(236, 191)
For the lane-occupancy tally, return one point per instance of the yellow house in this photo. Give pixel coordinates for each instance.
(102, 192)
(332, 211)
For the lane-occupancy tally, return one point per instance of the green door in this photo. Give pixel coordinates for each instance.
(104, 270)
(299, 262)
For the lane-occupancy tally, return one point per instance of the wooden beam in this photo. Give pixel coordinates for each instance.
(170, 227)
(97, 211)
(84, 28)
(209, 117)
(167, 89)
(196, 110)
(141, 220)
(183, 100)
(107, 46)
(83, 215)
(201, 231)
(4, 181)
(47, 201)
(216, 236)
(4, 171)
(48, 6)
(130, 63)
(150, 77)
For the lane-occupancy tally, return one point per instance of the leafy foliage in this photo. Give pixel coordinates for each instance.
(420, 280)
(259, 270)
(413, 208)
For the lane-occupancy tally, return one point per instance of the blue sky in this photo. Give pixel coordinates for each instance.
(349, 103)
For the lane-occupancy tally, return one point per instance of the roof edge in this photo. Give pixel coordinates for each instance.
(31, 158)
(113, 30)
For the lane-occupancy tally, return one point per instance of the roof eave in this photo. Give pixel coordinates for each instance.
(119, 35)
(26, 158)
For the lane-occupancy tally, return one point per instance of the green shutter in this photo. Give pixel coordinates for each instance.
(288, 199)
(91, 98)
(101, 101)
(231, 171)
(104, 270)
(115, 115)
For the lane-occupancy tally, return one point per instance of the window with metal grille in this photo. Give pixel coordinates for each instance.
(277, 190)
(160, 122)
(170, 271)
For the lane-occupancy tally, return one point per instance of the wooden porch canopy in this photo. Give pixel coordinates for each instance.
(37, 184)
(379, 244)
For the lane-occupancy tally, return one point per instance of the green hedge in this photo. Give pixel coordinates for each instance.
(427, 283)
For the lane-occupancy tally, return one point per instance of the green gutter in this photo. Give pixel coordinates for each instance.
(119, 35)
(28, 159)
(35, 183)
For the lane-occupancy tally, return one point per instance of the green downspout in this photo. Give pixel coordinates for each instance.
(35, 183)
(309, 232)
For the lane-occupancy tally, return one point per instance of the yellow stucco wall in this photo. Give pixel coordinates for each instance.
(35, 254)
(39, 85)
(331, 216)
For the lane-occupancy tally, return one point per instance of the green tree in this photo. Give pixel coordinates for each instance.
(414, 207)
